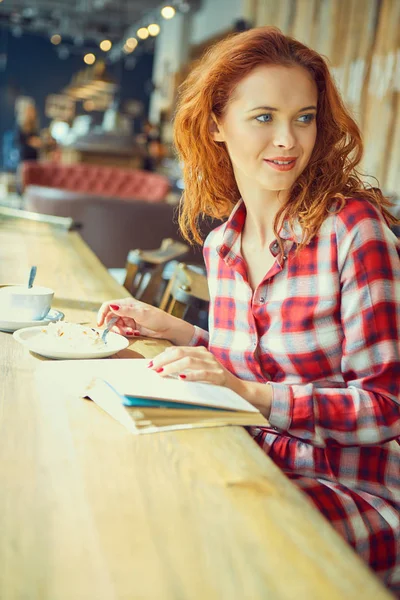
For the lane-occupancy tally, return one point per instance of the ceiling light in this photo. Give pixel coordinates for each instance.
(168, 12)
(89, 58)
(29, 12)
(105, 45)
(153, 29)
(142, 33)
(55, 39)
(88, 105)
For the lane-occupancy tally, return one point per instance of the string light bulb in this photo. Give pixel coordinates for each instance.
(131, 43)
(127, 49)
(105, 45)
(142, 33)
(55, 39)
(168, 12)
(153, 29)
(89, 58)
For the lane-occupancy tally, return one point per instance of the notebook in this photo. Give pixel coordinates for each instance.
(144, 402)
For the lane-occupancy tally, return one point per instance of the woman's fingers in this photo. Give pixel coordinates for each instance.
(101, 315)
(188, 363)
(105, 309)
(136, 316)
(175, 353)
(124, 326)
(204, 375)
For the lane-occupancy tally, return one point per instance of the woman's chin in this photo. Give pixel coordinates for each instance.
(274, 185)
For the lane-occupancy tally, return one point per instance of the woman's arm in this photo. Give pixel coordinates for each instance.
(367, 410)
(138, 318)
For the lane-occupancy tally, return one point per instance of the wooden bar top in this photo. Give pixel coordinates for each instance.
(89, 511)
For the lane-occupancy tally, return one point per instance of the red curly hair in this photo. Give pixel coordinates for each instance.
(210, 186)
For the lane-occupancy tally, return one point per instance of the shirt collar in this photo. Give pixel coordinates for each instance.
(229, 249)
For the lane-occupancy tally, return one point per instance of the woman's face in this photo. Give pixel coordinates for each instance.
(269, 127)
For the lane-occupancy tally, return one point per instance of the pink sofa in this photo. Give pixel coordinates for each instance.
(108, 182)
(115, 212)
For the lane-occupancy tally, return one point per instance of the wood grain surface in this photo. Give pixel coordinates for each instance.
(89, 511)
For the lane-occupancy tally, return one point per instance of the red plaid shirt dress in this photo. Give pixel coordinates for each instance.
(323, 329)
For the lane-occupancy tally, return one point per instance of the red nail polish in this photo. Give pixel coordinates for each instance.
(159, 370)
(114, 306)
(182, 376)
(150, 364)
(137, 333)
(129, 331)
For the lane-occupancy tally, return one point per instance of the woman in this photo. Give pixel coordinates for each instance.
(27, 137)
(27, 134)
(303, 278)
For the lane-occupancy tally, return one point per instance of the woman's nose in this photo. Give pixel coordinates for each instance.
(284, 137)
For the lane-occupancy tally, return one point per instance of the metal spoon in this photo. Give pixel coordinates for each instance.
(32, 276)
(107, 329)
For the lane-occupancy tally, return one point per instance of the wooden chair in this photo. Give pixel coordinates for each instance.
(144, 268)
(187, 288)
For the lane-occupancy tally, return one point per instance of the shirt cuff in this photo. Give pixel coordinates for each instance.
(281, 406)
(200, 337)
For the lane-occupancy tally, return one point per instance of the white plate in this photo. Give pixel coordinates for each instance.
(10, 326)
(29, 338)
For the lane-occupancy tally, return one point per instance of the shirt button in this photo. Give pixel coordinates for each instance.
(262, 299)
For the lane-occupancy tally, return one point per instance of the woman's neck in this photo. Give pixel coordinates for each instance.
(262, 207)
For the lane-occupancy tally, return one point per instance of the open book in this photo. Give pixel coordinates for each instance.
(144, 402)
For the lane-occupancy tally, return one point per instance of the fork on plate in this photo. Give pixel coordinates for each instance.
(107, 329)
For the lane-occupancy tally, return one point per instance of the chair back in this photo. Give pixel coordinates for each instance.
(144, 268)
(187, 288)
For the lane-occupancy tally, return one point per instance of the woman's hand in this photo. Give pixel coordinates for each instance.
(139, 318)
(193, 364)
(199, 364)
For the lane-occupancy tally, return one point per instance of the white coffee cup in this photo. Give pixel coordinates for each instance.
(18, 302)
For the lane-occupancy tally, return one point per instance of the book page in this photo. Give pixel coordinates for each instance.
(151, 420)
(131, 377)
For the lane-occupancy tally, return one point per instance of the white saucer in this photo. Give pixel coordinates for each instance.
(12, 325)
(28, 337)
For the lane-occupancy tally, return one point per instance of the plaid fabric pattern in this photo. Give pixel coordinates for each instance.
(322, 329)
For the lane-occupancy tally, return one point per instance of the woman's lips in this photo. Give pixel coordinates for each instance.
(288, 165)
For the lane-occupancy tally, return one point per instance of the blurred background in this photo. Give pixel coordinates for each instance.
(94, 82)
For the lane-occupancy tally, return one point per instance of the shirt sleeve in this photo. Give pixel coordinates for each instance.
(200, 337)
(366, 410)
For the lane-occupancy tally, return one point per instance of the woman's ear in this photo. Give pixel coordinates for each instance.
(216, 129)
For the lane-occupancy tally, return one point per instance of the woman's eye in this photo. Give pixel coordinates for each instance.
(306, 118)
(264, 118)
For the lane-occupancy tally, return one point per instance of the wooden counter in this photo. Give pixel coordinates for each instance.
(91, 512)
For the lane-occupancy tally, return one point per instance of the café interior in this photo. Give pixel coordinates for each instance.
(88, 510)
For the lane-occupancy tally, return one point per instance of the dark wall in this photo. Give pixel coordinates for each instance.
(34, 69)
